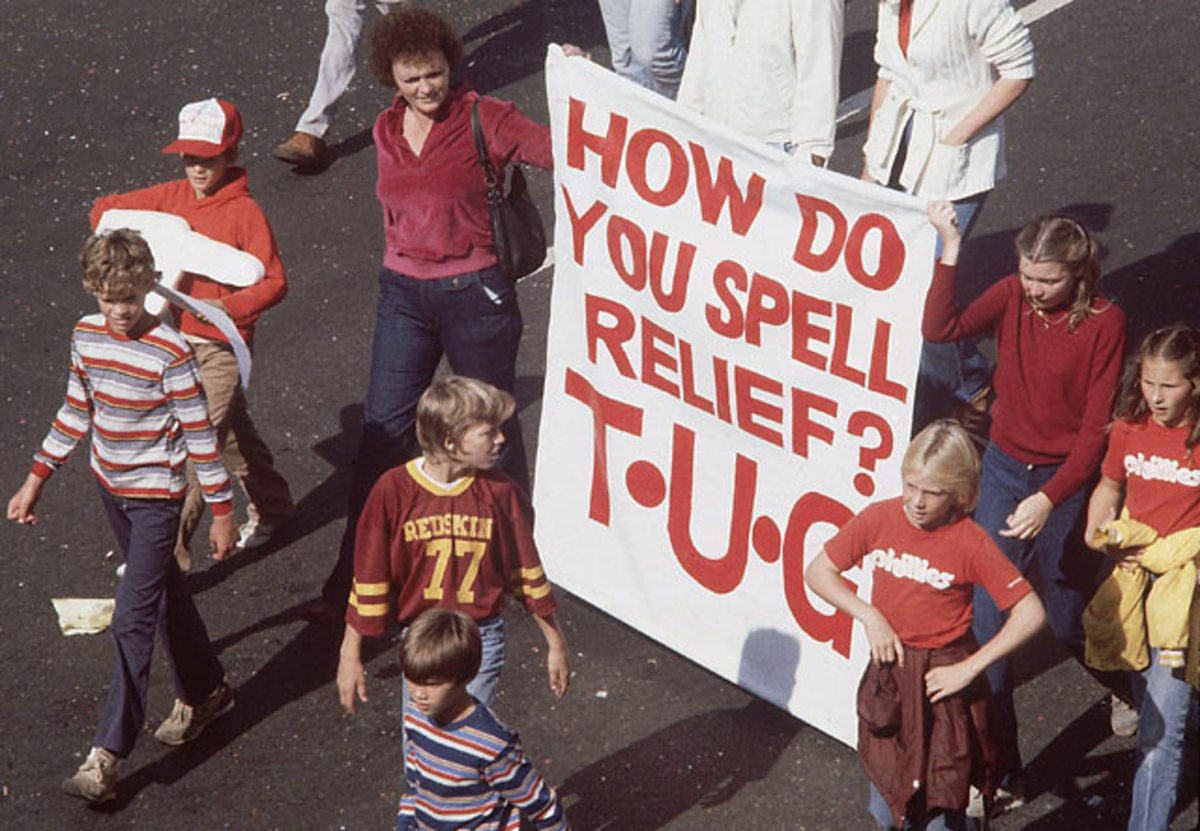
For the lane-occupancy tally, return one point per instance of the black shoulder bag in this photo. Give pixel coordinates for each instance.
(517, 228)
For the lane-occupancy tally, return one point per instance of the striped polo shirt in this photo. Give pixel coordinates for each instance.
(143, 401)
(472, 773)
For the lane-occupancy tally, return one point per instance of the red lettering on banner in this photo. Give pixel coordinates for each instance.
(721, 386)
(621, 230)
(760, 311)
(810, 209)
(759, 405)
(687, 372)
(673, 300)
(841, 344)
(877, 380)
(676, 183)
(606, 412)
(803, 330)
(613, 336)
(750, 409)
(846, 239)
(608, 147)
(714, 194)
(732, 323)
(653, 357)
(891, 252)
(767, 305)
(803, 426)
(580, 225)
(721, 575)
(809, 510)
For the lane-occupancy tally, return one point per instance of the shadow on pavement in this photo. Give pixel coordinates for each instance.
(309, 661)
(700, 761)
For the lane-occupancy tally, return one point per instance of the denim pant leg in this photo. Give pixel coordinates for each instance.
(147, 600)
(951, 372)
(1005, 482)
(648, 40)
(940, 821)
(483, 687)
(1161, 729)
(405, 353)
(481, 330)
(1065, 570)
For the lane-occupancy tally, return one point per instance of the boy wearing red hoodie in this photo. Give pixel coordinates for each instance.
(214, 198)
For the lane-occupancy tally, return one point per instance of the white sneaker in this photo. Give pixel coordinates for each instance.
(253, 535)
(96, 779)
(120, 571)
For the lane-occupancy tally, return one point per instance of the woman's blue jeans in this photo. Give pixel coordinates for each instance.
(937, 821)
(1162, 723)
(474, 320)
(1066, 571)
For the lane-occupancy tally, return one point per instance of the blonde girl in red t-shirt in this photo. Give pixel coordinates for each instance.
(1152, 470)
(927, 556)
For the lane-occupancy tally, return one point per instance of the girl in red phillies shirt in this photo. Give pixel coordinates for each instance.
(927, 560)
(1059, 347)
(1151, 469)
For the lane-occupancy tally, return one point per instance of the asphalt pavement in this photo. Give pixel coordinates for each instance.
(645, 739)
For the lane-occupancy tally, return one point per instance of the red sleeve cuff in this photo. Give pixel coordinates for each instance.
(41, 470)
(221, 508)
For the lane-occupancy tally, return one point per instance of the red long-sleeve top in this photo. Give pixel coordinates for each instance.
(1054, 385)
(232, 216)
(436, 221)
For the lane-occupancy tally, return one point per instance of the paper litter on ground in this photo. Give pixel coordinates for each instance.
(83, 615)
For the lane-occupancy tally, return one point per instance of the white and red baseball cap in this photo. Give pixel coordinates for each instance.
(207, 128)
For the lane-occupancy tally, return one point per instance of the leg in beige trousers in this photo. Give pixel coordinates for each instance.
(243, 451)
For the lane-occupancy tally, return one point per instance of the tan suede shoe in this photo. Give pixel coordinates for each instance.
(302, 149)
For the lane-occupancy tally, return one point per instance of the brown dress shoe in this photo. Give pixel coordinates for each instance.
(301, 149)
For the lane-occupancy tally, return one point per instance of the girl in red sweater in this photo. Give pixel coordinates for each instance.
(1059, 347)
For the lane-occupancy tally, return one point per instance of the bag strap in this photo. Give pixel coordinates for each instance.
(495, 186)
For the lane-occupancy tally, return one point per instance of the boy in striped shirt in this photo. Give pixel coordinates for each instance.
(463, 767)
(135, 385)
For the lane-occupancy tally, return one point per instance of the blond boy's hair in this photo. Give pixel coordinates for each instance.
(945, 452)
(117, 263)
(441, 646)
(452, 405)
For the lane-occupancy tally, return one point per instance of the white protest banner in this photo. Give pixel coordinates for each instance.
(733, 345)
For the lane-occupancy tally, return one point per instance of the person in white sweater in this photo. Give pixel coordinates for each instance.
(786, 55)
(948, 70)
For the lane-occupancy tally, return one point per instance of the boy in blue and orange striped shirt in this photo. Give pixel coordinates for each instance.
(464, 768)
(135, 385)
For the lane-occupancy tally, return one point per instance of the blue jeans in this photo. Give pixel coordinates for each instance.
(1066, 570)
(951, 372)
(483, 686)
(152, 597)
(939, 821)
(1165, 701)
(649, 40)
(474, 320)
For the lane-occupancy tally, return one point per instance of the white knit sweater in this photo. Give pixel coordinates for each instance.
(957, 49)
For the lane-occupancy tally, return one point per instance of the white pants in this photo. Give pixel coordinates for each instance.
(649, 40)
(339, 60)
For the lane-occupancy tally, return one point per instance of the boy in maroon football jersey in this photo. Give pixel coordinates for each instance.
(446, 530)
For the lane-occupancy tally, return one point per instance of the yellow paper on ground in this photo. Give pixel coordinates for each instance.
(83, 615)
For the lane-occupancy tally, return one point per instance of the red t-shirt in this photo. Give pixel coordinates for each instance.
(924, 580)
(1162, 484)
(462, 546)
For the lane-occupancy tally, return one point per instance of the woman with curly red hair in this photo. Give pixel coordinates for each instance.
(441, 290)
